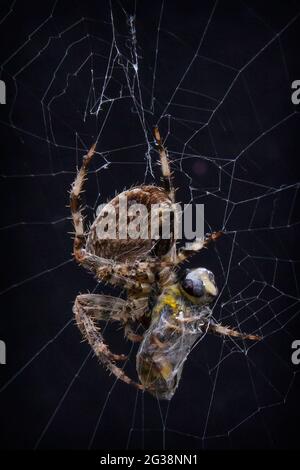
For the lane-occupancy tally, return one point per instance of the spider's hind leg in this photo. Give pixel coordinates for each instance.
(88, 308)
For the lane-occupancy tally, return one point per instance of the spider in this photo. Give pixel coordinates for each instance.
(173, 309)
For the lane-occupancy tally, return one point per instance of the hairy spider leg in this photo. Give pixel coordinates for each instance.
(190, 250)
(165, 165)
(76, 210)
(187, 251)
(217, 328)
(122, 274)
(86, 308)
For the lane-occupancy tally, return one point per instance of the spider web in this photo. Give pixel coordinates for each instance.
(216, 77)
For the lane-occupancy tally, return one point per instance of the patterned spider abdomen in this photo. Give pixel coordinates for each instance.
(128, 249)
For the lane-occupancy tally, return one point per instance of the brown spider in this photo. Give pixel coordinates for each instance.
(174, 311)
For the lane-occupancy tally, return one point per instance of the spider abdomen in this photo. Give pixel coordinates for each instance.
(101, 242)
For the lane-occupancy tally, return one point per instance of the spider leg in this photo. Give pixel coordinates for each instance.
(129, 333)
(169, 188)
(215, 328)
(107, 308)
(226, 331)
(84, 309)
(107, 270)
(190, 250)
(122, 274)
(76, 210)
(139, 306)
(165, 165)
(103, 307)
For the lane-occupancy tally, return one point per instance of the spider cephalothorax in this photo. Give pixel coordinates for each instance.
(173, 311)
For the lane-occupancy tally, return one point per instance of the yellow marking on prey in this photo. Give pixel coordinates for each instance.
(169, 300)
(169, 297)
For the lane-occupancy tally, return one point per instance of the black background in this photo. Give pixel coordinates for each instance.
(53, 394)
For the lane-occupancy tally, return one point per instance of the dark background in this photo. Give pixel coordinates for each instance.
(53, 393)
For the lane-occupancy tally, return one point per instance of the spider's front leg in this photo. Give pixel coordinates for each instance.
(191, 249)
(222, 330)
(76, 210)
(91, 307)
(104, 269)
